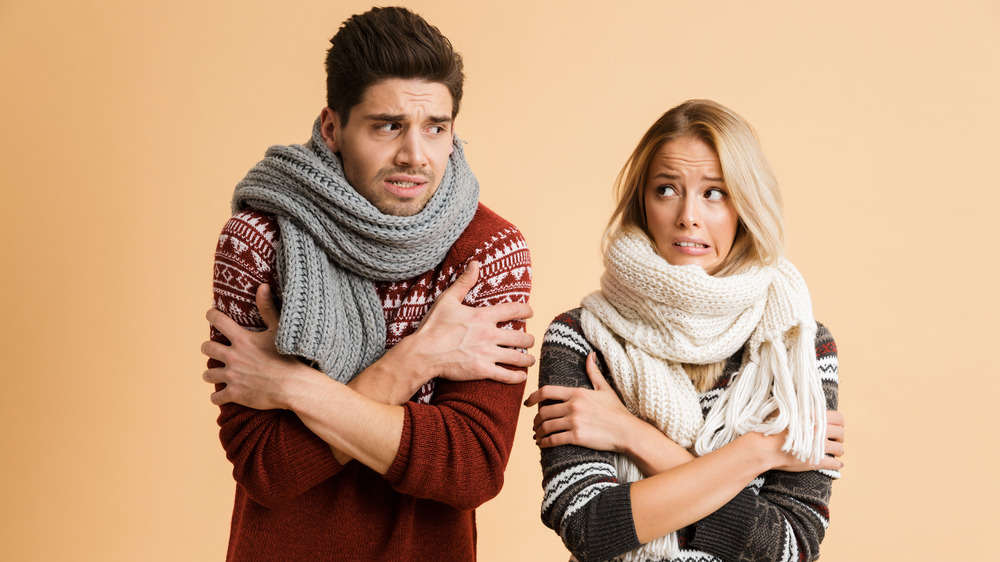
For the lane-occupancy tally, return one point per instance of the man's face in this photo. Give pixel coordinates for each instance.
(396, 144)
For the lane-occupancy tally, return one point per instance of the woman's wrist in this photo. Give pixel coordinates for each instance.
(762, 451)
(653, 451)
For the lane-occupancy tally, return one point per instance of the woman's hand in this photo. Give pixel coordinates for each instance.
(834, 448)
(255, 374)
(580, 416)
(596, 418)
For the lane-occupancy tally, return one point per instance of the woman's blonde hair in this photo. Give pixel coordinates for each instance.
(750, 184)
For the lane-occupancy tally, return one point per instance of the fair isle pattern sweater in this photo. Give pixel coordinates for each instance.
(294, 501)
(780, 516)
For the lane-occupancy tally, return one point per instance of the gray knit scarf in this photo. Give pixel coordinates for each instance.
(335, 244)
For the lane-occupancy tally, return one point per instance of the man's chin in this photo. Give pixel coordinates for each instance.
(406, 208)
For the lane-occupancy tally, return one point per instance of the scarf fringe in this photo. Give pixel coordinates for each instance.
(651, 317)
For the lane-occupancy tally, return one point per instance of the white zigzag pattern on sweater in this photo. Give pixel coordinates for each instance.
(560, 482)
(584, 497)
(827, 367)
(566, 337)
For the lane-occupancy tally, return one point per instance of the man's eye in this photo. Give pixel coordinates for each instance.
(436, 129)
(666, 190)
(386, 127)
(715, 194)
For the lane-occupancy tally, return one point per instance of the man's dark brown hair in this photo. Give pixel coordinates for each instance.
(388, 43)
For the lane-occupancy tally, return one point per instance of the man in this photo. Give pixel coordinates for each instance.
(378, 411)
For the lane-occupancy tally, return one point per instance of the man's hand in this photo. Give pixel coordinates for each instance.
(255, 374)
(462, 343)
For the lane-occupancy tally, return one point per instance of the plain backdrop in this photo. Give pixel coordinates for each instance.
(126, 124)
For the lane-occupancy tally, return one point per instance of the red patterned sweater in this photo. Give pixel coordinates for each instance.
(294, 501)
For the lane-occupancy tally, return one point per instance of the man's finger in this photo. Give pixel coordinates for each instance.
(505, 312)
(514, 358)
(215, 350)
(508, 376)
(514, 338)
(224, 324)
(465, 282)
(265, 303)
(214, 376)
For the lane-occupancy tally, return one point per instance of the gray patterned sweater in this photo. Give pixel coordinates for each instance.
(780, 516)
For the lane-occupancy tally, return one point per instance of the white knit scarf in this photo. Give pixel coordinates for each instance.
(335, 244)
(650, 317)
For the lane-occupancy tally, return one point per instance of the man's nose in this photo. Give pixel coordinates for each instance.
(411, 153)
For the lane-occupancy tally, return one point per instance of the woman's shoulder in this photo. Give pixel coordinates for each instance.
(564, 351)
(825, 344)
(565, 330)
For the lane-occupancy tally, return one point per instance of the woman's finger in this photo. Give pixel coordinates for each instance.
(548, 392)
(594, 373)
(550, 412)
(552, 426)
(835, 433)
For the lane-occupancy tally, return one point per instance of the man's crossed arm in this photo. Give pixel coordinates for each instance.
(364, 418)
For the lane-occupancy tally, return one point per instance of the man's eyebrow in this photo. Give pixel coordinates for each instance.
(385, 116)
(391, 117)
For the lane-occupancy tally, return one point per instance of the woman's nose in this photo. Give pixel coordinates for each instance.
(689, 216)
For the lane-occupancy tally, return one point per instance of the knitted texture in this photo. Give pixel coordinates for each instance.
(780, 516)
(335, 244)
(293, 501)
(650, 317)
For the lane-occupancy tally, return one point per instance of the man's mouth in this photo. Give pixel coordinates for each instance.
(403, 183)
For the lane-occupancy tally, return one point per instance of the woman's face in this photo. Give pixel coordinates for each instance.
(688, 210)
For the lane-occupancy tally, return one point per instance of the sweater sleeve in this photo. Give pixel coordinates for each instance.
(275, 456)
(583, 501)
(455, 449)
(781, 516)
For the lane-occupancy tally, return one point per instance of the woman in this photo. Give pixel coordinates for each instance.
(707, 335)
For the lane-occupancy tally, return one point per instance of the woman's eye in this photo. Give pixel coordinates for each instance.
(715, 194)
(666, 190)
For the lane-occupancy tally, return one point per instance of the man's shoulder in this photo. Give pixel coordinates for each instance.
(488, 237)
(247, 244)
(250, 224)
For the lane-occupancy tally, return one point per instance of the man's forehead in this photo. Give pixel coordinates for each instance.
(401, 96)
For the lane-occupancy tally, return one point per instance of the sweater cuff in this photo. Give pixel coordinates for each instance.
(611, 531)
(397, 471)
(726, 532)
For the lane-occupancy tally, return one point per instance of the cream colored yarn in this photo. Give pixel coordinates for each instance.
(650, 317)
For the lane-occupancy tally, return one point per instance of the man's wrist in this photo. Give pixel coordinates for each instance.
(395, 377)
(299, 386)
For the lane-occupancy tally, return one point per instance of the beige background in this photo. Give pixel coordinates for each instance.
(126, 124)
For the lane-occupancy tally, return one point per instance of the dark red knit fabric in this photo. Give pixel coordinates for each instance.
(295, 502)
